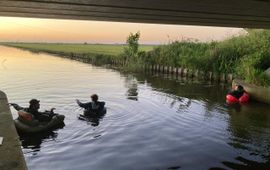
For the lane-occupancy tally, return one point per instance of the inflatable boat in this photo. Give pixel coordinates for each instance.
(243, 99)
(35, 126)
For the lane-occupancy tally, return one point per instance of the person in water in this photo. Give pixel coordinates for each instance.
(94, 106)
(33, 109)
(238, 92)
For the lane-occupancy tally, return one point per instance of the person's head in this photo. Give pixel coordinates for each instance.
(34, 104)
(239, 88)
(94, 97)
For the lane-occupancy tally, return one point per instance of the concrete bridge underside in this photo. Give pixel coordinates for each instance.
(229, 13)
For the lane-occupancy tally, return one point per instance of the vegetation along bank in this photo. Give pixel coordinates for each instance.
(246, 56)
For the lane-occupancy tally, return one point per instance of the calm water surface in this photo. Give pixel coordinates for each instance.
(152, 122)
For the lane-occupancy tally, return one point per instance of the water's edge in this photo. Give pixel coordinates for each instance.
(11, 152)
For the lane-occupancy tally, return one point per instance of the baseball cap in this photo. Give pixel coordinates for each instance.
(34, 101)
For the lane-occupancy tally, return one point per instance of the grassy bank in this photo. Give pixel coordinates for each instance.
(103, 49)
(98, 54)
(246, 56)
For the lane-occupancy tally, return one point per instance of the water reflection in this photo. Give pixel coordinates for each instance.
(92, 120)
(174, 168)
(246, 164)
(132, 82)
(3, 64)
(153, 122)
(248, 124)
(183, 90)
(249, 128)
(34, 141)
(132, 87)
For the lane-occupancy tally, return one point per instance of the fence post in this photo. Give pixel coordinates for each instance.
(185, 72)
(229, 78)
(222, 77)
(175, 71)
(180, 71)
(210, 75)
(216, 77)
(165, 70)
(196, 73)
(191, 73)
(157, 70)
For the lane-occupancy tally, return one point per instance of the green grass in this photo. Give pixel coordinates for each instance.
(103, 49)
(246, 56)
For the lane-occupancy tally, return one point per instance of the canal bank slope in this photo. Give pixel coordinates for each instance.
(11, 156)
(258, 93)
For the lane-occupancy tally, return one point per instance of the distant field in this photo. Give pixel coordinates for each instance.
(79, 48)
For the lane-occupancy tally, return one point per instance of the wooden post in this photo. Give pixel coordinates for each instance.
(165, 70)
(229, 78)
(157, 68)
(196, 73)
(191, 73)
(210, 75)
(202, 75)
(185, 72)
(216, 77)
(146, 68)
(175, 71)
(222, 77)
(161, 69)
(180, 71)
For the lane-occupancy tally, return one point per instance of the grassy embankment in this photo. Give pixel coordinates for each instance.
(246, 56)
(96, 53)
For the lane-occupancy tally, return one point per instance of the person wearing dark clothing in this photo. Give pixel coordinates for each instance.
(94, 106)
(238, 92)
(33, 109)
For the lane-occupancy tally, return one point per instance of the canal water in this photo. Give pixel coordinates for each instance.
(152, 122)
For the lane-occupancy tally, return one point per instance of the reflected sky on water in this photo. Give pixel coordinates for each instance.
(152, 121)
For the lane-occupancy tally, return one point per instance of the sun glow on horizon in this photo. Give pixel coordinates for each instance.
(77, 31)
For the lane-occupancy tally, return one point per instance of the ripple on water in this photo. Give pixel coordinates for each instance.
(169, 124)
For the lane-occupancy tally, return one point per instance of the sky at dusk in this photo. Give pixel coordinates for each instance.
(75, 31)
